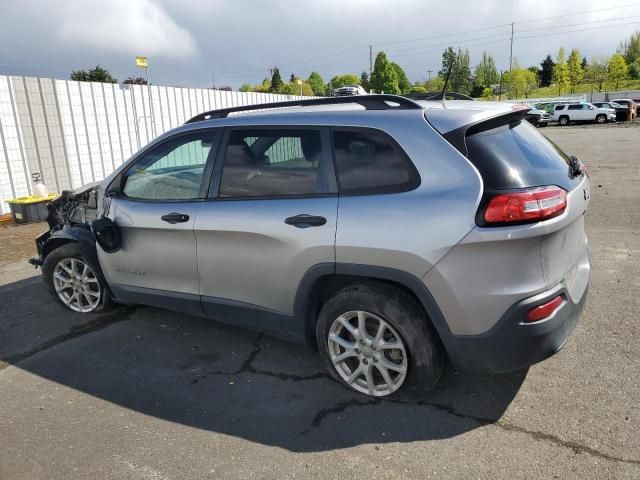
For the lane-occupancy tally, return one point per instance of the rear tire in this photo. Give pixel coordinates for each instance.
(73, 282)
(563, 120)
(601, 119)
(396, 353)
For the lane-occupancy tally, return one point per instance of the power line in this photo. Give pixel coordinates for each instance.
(550, 34)
(579, 13)
(616, 19)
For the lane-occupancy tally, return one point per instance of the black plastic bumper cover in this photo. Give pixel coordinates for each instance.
(511, 345)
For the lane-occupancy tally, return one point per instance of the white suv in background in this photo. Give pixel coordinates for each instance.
(349, 90)
(582, 112)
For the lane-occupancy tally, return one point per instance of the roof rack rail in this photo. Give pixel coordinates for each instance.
(369, 102)
(438, 96)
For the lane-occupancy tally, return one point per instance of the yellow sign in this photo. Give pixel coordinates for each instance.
(141, 62)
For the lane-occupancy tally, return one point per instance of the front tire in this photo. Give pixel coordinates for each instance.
(73, 282)
(376, 339)
(600, 119)
(563, 121)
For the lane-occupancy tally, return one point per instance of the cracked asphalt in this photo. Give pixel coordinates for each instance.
(142, 393)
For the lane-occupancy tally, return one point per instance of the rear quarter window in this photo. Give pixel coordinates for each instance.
(370, 162)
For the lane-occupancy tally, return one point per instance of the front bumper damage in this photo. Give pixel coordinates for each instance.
(69, 219)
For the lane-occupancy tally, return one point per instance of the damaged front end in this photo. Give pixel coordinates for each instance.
(75, 217)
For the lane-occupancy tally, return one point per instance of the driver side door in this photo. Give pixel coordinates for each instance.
(161, 194)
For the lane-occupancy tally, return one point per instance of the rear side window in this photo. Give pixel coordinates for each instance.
(575, 107)
(272, 163)
(516, 155)
(560, 107)
(369, 162)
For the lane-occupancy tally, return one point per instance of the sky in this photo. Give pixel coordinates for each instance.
(200, 43)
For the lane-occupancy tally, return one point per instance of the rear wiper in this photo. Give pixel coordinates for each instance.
(575, 166)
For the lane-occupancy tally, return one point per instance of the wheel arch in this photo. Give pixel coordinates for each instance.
(322, 280)
(86, 243)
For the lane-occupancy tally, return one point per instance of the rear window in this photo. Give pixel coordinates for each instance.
(516, 155)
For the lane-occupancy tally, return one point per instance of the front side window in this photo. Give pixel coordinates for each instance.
(575, 107)
(272, 163)
(172, 171)
(368, 161)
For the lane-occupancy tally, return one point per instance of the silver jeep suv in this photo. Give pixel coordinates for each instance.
(388, 233)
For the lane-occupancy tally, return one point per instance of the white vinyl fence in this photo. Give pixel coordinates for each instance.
(73, 133)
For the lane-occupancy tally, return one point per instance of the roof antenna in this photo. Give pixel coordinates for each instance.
(446, 81)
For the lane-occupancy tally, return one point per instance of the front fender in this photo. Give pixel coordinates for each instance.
(49, 241)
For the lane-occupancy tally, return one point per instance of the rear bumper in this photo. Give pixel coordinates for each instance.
(511, 345)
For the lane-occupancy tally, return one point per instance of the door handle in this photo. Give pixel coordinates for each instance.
(305, 220)
(175, 218)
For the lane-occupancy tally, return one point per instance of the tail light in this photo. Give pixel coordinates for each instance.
(525, 206)
(545, 310)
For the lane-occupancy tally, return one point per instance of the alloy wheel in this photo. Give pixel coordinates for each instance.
(367, 353)
(76, 285)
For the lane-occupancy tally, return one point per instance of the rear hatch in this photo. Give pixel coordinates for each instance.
(534, 189)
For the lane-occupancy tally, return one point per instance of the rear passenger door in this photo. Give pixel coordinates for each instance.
(270, 217)
(380, 212)
(578, 112)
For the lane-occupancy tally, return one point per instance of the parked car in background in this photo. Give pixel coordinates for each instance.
(349, 90)
(637, 102)
(621, 110)
(567, 113)
(539, 118)
(235, 218)
(547, 107)
(630, 104)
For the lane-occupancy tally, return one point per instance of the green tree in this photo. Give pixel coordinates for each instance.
(287, 89)
(634, 69)
(303, 89)
(449, 58)
(596, 72)
(316, 83)
(342, 81)
(460, 79)
(546, 71)
(384, 77)
(403, 81)
(631, 48)
(574, 64)
(364, 81)
(486, 72)
(276, 81)
(617, 70)
(521, 81)
(418, 89)
(487, 93)
(561, 72)
(97, 74)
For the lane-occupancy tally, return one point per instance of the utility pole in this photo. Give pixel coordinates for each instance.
(429, 80)
(510, 60)
(370, 60)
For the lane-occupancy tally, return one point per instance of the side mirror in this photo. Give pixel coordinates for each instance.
(106, 234)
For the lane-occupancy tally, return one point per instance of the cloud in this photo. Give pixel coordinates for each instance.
(138, 27)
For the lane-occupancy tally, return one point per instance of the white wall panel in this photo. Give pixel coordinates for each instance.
(74, 133)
